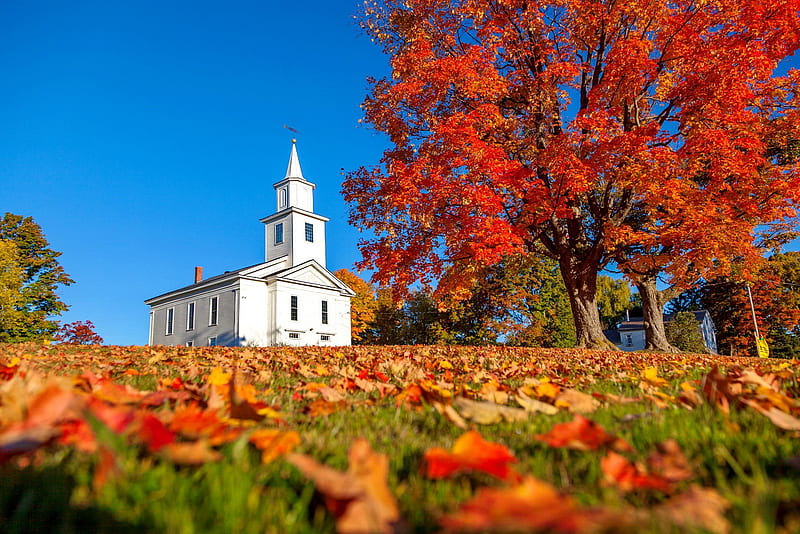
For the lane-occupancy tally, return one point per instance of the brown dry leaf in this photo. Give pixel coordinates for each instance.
(576, 402)
(359, 498)
(490, 392)
(718, 389)
(450, 414)
(488, 413)
(688, 396)
(191, 453)
(534, 406)
(696, 508)
(319, 407)
(778, 417)
(750, 376)
(670, 462)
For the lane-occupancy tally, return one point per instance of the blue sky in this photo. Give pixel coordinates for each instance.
(144, 137)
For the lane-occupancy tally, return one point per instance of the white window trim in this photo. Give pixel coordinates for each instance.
(309, 229)
(191, 311)
(169, 326)
(294, 307)
(213, 306)
(212, 341)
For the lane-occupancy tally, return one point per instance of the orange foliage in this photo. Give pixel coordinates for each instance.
(583, 129)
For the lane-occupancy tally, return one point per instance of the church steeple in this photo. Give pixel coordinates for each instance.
(294, 190)
(294, 230)
(294, 170)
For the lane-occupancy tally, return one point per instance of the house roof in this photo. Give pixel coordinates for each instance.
(274, 269)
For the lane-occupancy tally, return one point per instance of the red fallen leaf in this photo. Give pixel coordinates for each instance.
(582, 434)
(150, 431)
(115, 418)
(471, 452)
(531, 506)
(76, 432)
(274, 443)
(7, 371)
(359, 498)
(627, 476)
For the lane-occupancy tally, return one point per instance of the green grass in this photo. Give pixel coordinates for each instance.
(742, 455)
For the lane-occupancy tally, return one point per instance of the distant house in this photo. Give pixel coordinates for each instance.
(289, 299)
(629, 334)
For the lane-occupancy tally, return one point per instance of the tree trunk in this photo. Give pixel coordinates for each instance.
(581, 287)
(653, 302)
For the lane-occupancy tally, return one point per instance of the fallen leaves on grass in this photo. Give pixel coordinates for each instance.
(581, 434)
(358, 498)
(471, 452)
(530, 506)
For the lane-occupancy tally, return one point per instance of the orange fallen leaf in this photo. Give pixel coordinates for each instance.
(191, 453)
(531, 506)
(274, 443)
(471, 452)
(582, 434)
(359, 498)
(627, 476)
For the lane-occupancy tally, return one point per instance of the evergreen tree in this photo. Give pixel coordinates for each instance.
(41, 273)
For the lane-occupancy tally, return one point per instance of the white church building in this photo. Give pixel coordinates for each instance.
(290, 299)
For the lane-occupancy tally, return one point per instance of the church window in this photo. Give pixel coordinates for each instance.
(293, 308)
(279, 233)
(170, 320)
(212, 341)
(213, 304)
(309, 232)
(190, 316)
(283, 197)
(190, 343)
(294, 335)
(324, 337)
(324, 312)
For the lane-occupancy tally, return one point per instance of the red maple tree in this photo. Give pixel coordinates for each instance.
(78, 333)
(520, 127)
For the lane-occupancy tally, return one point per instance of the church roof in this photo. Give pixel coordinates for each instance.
(261, 271)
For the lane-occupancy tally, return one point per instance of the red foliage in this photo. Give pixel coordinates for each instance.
(78, 333)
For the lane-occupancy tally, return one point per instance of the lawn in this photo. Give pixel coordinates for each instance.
(395, 439)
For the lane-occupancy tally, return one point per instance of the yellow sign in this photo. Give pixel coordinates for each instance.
(763, 348)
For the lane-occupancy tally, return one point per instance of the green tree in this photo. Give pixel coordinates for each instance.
(613, 298)
(10, 287)
(683, 333)
(41, 276)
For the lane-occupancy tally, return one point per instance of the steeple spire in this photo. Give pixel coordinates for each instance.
(294, 170)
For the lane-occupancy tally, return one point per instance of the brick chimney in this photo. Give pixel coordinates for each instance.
(198, 274)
